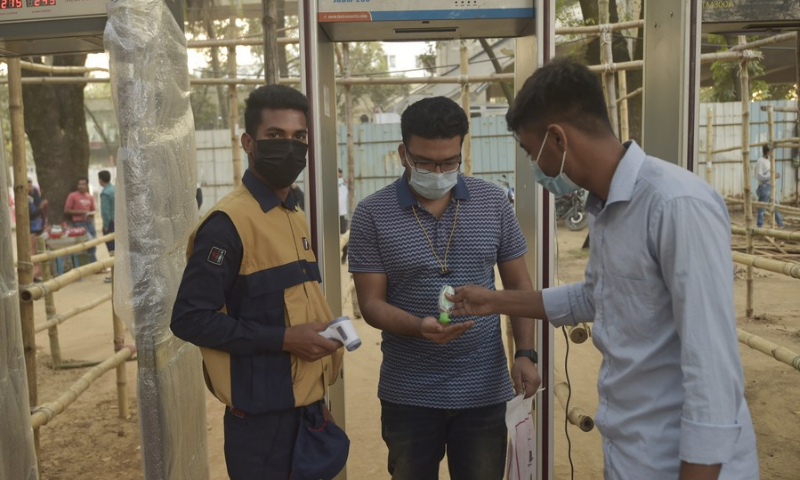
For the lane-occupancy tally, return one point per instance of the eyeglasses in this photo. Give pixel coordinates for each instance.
(426, 166)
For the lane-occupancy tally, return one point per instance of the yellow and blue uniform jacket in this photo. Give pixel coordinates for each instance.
(250, 274)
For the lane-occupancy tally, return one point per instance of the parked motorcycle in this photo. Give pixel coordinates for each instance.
(572, 209)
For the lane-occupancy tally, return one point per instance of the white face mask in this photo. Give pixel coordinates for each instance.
(431, 185)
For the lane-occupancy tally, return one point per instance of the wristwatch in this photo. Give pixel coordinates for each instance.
(528, 354)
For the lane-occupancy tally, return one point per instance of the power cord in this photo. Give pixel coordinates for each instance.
(566, 372)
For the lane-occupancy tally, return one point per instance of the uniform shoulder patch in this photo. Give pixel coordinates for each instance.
(216, 255)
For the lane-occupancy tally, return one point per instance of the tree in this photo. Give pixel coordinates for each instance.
(55, 121)
(368, 59)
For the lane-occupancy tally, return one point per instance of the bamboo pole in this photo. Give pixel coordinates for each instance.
(624, 128)
(616, 67)
(780, 208)
(797, 105)
(78, 247)
(575, 415)
(34, 292)
(630, 95)
(748, 209)
(43, 414)
(59, 319)
(50, 308)
(765, 41)
(785, 142)
(789, 269)
(578, 333)
(38, 67)
(465, 104)
(730, 56)
(119, 343)
(765, 232)
(598, 29)
(607, 58)
(351, 146)
(709, 144)
(781, 354)
(772, 185)
(242, 42)
(24, 263)
(233, 108)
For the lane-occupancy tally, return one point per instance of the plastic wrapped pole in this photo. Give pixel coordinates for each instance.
(155, 213)
(17, 455)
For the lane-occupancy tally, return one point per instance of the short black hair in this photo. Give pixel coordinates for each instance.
(561, 90)
(435, 117)
(273, 97)
(765, 150)
(82, 178)
(104, 176)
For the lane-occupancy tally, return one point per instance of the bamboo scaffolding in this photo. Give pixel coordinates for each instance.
(36, 291)
(781, 354)
(771, 140)
(616, 67)
(233, 109)
(744, 78)
(50, 308)
(238, 42)
(784, 142)
(44, 414)
(785, 268)
(61, 318)
(778, 108)
(79, 247)
(624, 126)
(598, 29)
(766, 232)
(607, 57)
(731, 56)
(578, 333)
(630, 95)
(465, 104)
(576, 415)
(781, 208)
(38, 67)
(709, 144)
(119, 344)
(765, 41)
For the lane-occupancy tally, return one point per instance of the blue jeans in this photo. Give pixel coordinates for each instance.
(417, 437)
(90, 230)
(763, 191)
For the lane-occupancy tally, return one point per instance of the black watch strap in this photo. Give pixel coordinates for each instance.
(528, 354)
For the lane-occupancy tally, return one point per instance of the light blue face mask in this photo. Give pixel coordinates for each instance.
(558, 185)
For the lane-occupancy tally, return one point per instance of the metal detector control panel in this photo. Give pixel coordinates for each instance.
(31, 10)
(355, 20)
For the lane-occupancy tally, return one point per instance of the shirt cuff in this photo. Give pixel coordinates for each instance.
(706, 444)
(557, 305)
(272, 338)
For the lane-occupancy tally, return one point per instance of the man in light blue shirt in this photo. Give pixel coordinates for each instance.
(658, 287)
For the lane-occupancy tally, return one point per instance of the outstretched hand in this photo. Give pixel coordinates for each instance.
(472, 300)
(433, 330)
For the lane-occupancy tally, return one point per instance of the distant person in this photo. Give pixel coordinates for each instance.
(81, 208)
(36, 207)
(343, 200)
(297, 195)
(107, 209)
(764, 190)
(198, 195)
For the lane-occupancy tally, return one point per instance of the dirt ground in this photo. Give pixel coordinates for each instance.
(89, 441)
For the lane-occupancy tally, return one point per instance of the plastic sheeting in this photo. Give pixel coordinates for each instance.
(155, 212)
(17, 455)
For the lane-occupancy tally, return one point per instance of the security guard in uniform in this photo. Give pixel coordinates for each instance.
(250, 296)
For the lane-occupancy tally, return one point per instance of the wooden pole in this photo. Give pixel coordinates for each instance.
(270, 26)
(233, 108)
(59, 319)
(119, 342)
(50, 308)
(709, 145)
(465, 104)
(24, 265)
(748, 209)
(789, 269)
(351, 146)
(80, 247)
(575, 415)
(43, 414)
(765, 232)
(36, 291)
(624, 128)
(606, 58)
(773, 186)
(781, 354)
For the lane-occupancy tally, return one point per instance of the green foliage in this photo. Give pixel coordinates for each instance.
(368, 59)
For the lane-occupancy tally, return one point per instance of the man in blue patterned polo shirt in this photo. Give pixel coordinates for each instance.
(443, 387)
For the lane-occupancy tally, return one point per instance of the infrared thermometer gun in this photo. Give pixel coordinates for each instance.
(342, 330)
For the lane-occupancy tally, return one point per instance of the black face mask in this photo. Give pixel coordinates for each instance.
(280, 161)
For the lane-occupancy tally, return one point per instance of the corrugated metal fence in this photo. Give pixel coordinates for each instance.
(377, 162)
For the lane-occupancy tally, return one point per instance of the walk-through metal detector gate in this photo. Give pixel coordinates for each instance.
(324, 22)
